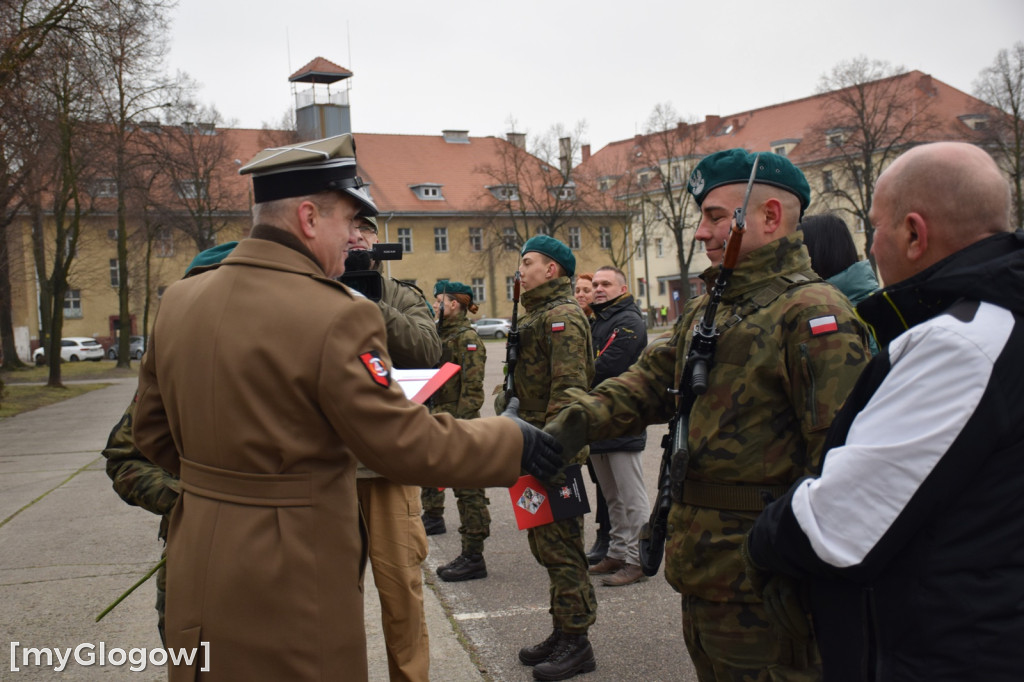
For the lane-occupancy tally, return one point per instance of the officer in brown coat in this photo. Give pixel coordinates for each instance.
(263, 382)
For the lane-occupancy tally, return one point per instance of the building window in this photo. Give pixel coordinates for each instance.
(163, 245)
(405, 239)
(510, 286)
(574, 237)
(112, 235)
(505, 192)
(677, 174)
(192, 189)
(115, 274)
(827, 182)
(544, 229)
(781, 151)
(661, 287)
(441, 239)
(638, 252)
(641, 287)
(73, 304)
(105, 187)
(431, 192)
(477, 285)
(476, 239)
(659, 247)
(605, 235)
(644, 178)
(508, 235)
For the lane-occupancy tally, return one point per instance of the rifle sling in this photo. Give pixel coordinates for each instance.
(731, 497)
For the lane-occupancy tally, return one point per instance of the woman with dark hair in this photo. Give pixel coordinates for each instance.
(834, 258)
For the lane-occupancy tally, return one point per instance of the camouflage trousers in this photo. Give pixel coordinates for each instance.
(734, 642)
(558, 547)
(161, 597)
(432, 500)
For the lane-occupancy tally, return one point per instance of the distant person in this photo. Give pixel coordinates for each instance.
(462, 396)
(664, 314)
(264, 382)
(911, 539)
(584, 292)
(834, 258)
(619, 337)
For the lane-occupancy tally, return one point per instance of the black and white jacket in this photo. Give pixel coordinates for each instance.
(912, 537)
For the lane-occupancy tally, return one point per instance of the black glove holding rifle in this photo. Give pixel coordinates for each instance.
(511, 347)
(692, 383)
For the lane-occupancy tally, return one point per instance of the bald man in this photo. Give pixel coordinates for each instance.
(912, 537)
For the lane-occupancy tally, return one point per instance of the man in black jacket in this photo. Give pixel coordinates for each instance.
(619, 337)
(912, 537)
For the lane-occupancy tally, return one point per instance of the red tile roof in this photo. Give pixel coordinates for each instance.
(320, 70)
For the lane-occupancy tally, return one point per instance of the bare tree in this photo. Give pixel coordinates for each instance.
(24, 27)
(871, 112)
(1001, 85)
(129, 39)
(196, 159)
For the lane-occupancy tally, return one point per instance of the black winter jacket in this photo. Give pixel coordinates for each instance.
(619, 337)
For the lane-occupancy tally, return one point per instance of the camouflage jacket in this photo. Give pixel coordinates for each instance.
(413, 342)
(554, 353)
(774, 388)
(138, 481)
(463, 394)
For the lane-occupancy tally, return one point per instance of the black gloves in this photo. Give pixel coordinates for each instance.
(541, 453)
(569, 428)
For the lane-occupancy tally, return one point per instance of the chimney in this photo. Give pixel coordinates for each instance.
(585, 151)
(516, 139)
(711, 124)
(565, 155)
(925, 85)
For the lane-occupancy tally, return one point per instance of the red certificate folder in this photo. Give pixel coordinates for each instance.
(536, 504)
(420, 384)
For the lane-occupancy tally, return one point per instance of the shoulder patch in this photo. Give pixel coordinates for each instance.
(558, 326)
(470, 346)
(823, 325)
(378, 370)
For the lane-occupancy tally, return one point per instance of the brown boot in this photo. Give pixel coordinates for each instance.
(607, 565)
(627, 575)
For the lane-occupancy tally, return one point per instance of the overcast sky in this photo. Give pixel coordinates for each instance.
(421, 67)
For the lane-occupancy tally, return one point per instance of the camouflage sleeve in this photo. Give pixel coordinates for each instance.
(571, 360)
(137, 481)
(412, 335)
(626, 404)
(823, 364)
(472, 356)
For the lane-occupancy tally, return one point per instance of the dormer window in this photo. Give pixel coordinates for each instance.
(428, 191)
(975, 121)
(835, 138)
(565, 192)
(784, 147)
(504, 192)
(104, 187)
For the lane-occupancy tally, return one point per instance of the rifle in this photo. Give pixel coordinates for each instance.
(512, 343)
(692, 383)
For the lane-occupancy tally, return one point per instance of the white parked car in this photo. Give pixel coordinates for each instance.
(73, 349)
(496, 327)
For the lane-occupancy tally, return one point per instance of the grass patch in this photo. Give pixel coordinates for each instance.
(104, 370)
(18, 399)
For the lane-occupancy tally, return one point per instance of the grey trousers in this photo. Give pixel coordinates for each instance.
(621, 476)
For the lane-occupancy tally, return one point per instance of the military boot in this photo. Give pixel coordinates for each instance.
(434, 525)
(573, 655)
(599, 549)
(463, 567)
(538, 653)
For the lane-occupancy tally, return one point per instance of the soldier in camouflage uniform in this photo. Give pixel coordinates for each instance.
(789, 352)
(554, 358)
(461, 396)
(138, 481)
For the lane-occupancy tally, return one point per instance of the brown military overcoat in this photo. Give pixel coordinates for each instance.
(262, 383)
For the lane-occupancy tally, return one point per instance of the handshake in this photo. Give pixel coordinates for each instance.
(546, 452)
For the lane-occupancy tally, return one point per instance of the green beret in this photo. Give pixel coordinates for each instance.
(732, 166)
(553, 249)
(308, 168)
(211, 256)
(443, 286)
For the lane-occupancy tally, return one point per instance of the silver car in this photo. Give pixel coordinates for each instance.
(136, 347)
(496, 327)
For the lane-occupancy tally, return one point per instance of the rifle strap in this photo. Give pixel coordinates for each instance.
(731, 497)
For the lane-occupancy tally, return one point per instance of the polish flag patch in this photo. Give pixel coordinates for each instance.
(558, 326)
(470, 346)
(377, 368)
(823, 325)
